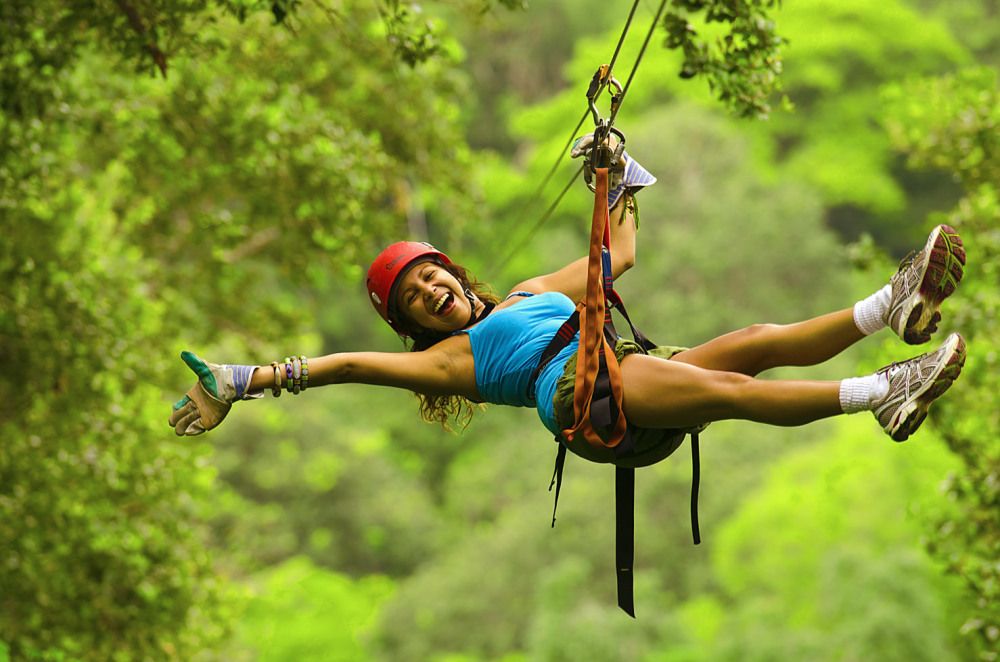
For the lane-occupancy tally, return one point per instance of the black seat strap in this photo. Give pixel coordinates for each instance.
(625, 536)
(625, 524)
(557, 474)
(695, 481)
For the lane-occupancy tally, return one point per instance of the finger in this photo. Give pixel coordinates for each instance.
(195, 429)
(180, 403)
(199, 367)
(182, 425)
(178, 414)
(581, 144)
(204, 372)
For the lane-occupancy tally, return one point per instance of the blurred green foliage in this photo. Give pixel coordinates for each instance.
(955, 126)
(301, 612)
(139, 212)
(231, 206)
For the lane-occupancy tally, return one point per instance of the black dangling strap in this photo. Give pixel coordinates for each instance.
(557, 476)
(695, 480)
(625, 536)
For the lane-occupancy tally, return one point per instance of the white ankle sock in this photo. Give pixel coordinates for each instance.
(869, 313)
(859, 393)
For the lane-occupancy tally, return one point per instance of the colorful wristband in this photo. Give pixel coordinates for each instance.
(305, 372)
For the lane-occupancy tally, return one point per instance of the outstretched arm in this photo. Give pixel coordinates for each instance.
(571, 280)
(438, 370)
(444, 369)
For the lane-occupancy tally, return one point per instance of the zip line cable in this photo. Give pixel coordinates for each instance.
(537, 195)
(551, 209)
(540, 222)
(583, 118)
(621, 40)
(638, 59)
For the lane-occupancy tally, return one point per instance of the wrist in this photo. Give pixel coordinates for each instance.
(260, 380)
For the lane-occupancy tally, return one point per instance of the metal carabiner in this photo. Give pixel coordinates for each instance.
(600, 154)
(601, 77)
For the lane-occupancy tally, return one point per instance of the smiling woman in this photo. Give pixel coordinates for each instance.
(471, 347)
(423, 295)
(520, 351)
(433, 295)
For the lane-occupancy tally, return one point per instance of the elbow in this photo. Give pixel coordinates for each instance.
(345, 369)
(623, 263)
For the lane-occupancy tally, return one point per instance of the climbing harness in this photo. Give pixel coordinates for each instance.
(598, 388)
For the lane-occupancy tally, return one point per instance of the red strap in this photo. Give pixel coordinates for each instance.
(592, 340)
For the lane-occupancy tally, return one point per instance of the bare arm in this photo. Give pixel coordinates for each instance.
(571, 280)
(444, 369)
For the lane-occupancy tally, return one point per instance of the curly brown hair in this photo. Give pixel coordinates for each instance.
(443, 408)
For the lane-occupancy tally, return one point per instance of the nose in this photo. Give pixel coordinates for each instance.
(428, 291)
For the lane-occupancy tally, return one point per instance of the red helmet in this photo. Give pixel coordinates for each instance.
(389, 266)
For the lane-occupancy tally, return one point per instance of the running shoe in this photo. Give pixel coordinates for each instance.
(915, 384)
(925, 278)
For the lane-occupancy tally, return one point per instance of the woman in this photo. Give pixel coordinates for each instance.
(471, 347)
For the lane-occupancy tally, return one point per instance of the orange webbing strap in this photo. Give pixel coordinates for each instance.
(592, 341)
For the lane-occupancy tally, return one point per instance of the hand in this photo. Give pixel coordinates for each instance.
(627, 175)
(210, 399)
(582, 145)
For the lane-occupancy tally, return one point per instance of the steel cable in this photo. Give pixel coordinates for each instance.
(519, 244)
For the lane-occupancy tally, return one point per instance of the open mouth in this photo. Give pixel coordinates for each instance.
(444, 304)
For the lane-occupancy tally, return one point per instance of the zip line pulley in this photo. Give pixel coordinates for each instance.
(601, 154)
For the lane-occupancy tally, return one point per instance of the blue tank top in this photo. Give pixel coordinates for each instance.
(506, 348)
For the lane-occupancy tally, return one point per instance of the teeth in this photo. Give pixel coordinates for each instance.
(440, 302)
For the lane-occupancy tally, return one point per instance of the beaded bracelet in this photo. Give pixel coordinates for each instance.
(292, 375)
(276, 389)
(296, 375)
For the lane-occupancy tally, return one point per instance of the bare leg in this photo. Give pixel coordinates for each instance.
(663, 393)
(756, 348)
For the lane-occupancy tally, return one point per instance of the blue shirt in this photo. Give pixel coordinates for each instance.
(506, 348)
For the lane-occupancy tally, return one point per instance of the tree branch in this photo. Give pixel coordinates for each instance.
(135, 20)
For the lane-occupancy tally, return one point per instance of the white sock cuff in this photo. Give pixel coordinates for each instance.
(856, 393)
(869, 314)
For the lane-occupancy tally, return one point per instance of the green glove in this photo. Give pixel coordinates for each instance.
(210, 399)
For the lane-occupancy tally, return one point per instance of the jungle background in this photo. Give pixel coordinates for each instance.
(216, 176)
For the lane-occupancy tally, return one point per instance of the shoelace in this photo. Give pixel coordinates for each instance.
(908, 259)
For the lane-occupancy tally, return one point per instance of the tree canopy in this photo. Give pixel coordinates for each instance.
(215, 175)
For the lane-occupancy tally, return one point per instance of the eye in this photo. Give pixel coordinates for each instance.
(429, 274)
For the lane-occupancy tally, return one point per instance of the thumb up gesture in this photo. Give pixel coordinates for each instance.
(210, 399)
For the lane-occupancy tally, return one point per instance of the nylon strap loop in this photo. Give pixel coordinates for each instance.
(592, 343)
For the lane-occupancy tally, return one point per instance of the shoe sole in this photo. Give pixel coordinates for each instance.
(912, 413)
(944, 266)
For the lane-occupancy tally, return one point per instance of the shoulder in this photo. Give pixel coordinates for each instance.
(529, 287)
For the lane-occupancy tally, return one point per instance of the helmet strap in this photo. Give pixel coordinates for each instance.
(473, 317)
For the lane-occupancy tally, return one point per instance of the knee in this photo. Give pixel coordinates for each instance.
(757, 344)
(760, 333)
